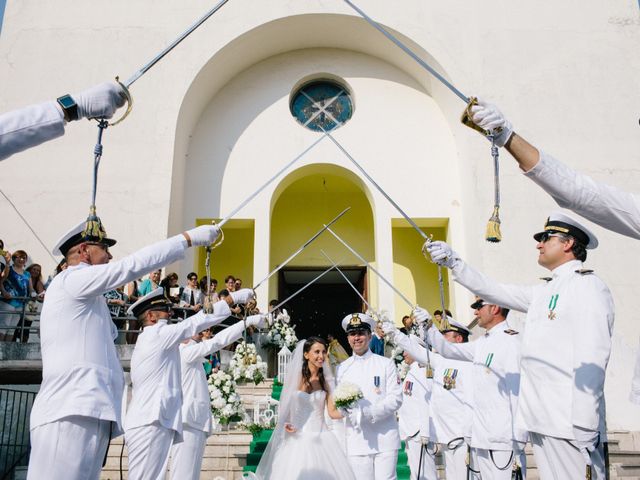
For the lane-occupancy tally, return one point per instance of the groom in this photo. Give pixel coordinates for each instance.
(372, 438)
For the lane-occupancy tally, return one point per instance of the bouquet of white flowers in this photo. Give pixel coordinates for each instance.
(226, 405)
(281, 333)
(346, 395)
(247, 365)
(396, 355)
(403, 369)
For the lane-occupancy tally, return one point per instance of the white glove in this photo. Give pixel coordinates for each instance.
(389, 328)
(487, 116)
(204, 235)
(100, 101)
(354, 414)
(421, 315)
(242, 296)
(586, 439)
(258, 321)
(367, 414)
(441, 254)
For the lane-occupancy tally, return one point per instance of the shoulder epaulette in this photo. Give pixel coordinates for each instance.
(584, 271)
(510, 331)
(546, 279)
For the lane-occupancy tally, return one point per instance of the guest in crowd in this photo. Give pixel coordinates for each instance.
(191, 296)
(148, 285)
(15, 289)
(230, 283)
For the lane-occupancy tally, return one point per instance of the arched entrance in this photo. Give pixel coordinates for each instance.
(305, 200)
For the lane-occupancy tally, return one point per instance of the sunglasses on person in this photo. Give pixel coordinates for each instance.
(544, 238)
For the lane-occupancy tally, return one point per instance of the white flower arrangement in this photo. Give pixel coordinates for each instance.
(247, 365)
(403, 369)
(226, 405)
(396, 355)
(281, 333)
(346, 394)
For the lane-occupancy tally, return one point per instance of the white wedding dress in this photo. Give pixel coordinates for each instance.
(312, 452)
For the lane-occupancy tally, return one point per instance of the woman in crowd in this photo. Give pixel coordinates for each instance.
(15, 289)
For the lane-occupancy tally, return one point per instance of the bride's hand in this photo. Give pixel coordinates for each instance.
(289, 428)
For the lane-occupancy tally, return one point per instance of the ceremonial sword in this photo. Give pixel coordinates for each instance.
(304, 245)
(304, 287)
(335, 265)
(413, 224)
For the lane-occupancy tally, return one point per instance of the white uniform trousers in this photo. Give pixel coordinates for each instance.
(148, 448)
(455, 462)
(71, 449)
(557, 459)
(428, 470)
(186, 456)
(500, 467)
(377, 466)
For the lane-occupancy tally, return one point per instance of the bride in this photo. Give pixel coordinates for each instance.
(301, 446)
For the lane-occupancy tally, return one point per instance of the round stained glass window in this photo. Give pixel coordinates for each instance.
(322, 105)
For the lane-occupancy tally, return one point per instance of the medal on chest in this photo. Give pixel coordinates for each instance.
(552, 306)
(487, 363)
(449, 379)
(376, 384)
(408, 387)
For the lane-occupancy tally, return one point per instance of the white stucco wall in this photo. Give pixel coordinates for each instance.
(565, 72)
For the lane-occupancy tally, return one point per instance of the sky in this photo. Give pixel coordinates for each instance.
(2, 4)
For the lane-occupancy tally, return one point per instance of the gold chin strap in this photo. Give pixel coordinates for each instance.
(129, 99)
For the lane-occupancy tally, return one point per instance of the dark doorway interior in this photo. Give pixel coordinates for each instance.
(320, 308)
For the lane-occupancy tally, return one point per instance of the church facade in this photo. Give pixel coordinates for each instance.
(255, 87)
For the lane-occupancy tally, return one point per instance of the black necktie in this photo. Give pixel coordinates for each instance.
(193, 300)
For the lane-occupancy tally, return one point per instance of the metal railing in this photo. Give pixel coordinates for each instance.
(14, 430)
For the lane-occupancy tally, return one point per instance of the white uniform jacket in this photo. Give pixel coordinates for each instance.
(413, 416)
(496, 383)
(381, 435)
(605, 205)
(450, 413)
(81, 372)
(566, 345)
(196, 404)
(28, 127)
(155, 370)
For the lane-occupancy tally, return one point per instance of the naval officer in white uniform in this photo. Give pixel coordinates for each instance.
(608, 206)
(496, 443)
(413, 418)
(30, 126)
(186, 456)
(565, 348)
(450, 412)
(372, 438)
(154, 420)
(78, 406)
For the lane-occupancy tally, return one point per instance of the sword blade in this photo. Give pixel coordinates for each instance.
(254, 194)
(409, 52)
(335, 265)
(304, 245)
(299, 291)
(378, 187)
(173, 44)
(361, 258)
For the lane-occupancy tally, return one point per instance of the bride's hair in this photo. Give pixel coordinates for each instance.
(306, 373)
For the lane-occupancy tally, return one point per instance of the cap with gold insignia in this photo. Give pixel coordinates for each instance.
(76, 236)
(455, 327)
(558, 222)
(357, 322)
(156, 300)
(478, 303)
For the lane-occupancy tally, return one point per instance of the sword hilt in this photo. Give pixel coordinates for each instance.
(128, 98)
(467, 119)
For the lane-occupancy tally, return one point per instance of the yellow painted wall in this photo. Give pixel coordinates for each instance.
(234, 256)
(414, 275)
(301, 210)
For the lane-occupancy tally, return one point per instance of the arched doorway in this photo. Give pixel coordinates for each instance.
(305, 200)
